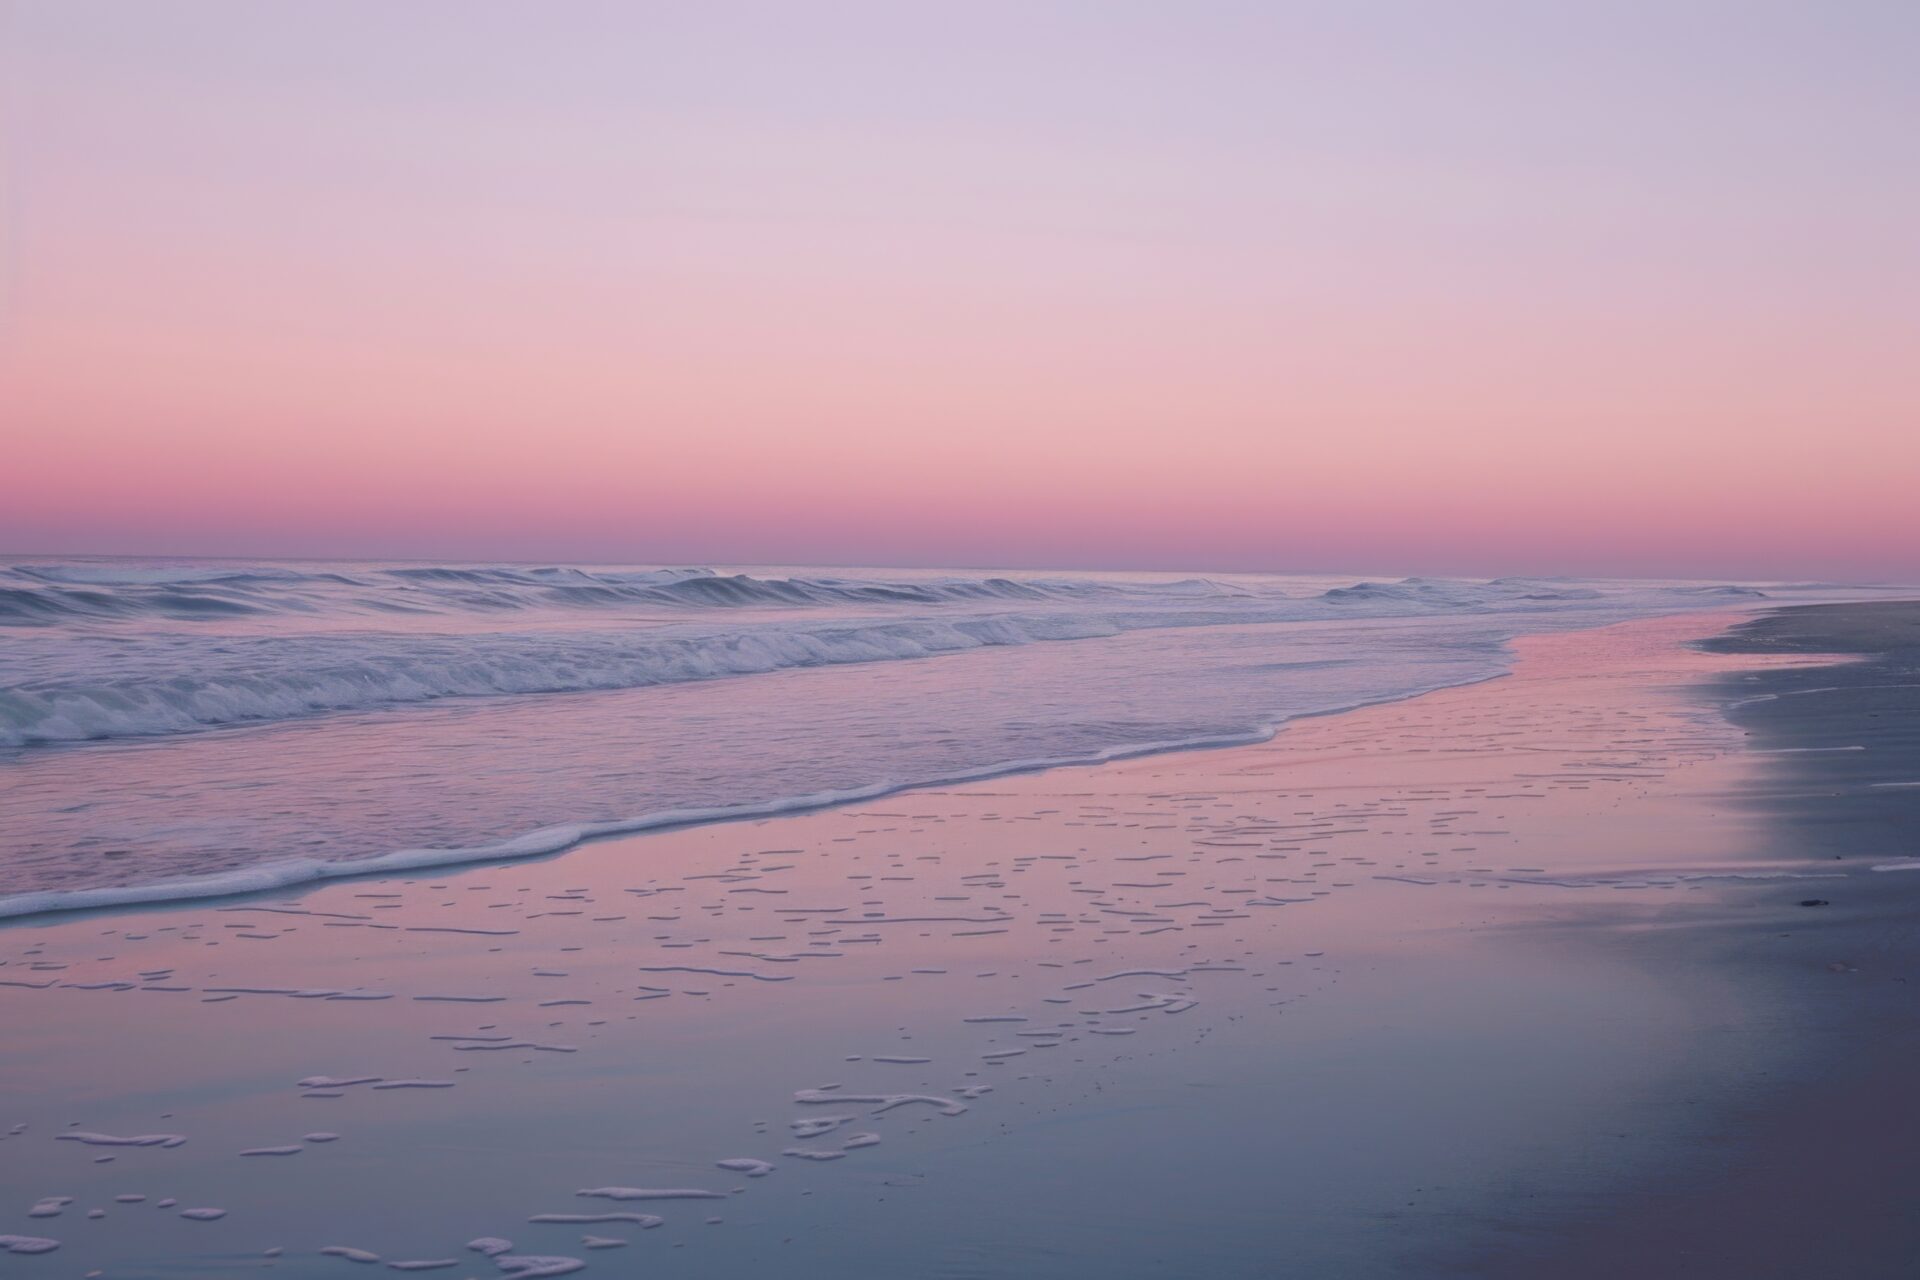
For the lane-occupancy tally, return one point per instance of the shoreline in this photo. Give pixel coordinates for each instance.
(552, 841)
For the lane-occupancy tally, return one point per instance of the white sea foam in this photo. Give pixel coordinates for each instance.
(336, 1082)
(28, 1244)
(879, 1101)
(814, 1126)
(533, 1267)
(288, 681)
(651, 1193)
(110, 1140)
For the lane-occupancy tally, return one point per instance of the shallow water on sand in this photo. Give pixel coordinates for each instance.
(1293, 1008)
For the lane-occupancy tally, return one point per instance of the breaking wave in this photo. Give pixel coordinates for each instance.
(47, 595)
(274, 678)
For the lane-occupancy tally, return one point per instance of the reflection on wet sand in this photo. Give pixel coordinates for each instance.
(1301, 989)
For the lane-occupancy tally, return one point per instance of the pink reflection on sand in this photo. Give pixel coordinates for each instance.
(648, 1005)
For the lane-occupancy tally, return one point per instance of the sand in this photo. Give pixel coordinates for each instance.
(1507, 979)
(1812, 1170)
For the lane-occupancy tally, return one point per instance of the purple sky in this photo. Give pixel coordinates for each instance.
(1532, 287)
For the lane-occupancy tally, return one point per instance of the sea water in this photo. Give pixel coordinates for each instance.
(179, 728)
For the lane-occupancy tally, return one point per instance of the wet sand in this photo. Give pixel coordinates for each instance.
(1813, 1169)
(1442, 986)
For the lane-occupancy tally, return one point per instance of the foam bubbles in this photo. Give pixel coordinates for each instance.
(168, 1140)
(745, 1164)
(532, 1267)
(651, 1193)
(28, 1244)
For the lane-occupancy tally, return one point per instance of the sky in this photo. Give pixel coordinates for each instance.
(1627, 288)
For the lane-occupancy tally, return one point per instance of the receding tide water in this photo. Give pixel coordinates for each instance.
(1225, 1013)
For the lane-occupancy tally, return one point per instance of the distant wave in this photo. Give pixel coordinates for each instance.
(45, 595)
(50, 594)
(1449, 593)
(1729, 592)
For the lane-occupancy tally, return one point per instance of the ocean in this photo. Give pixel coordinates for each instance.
(188, 728)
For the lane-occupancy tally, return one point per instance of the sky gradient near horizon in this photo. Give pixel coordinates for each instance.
(1481, 287)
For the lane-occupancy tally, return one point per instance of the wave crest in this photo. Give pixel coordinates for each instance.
(44, 595)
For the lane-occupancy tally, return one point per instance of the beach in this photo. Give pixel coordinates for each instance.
(959, 641)
(1506, 978)
(1809, 1171)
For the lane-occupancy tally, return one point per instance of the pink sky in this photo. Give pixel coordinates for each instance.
(1464, 288)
